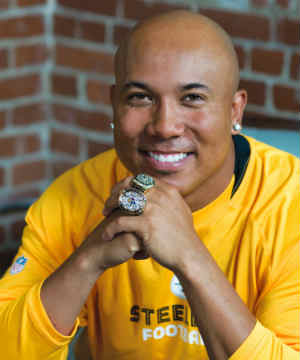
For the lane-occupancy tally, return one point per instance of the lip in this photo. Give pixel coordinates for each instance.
(166, 166)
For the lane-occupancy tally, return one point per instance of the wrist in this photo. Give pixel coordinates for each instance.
(194, 261)
(87, 263)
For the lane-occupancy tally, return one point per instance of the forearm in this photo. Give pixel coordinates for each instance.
(222, 318)
(25, 331)
(64, 293)
(66, 290)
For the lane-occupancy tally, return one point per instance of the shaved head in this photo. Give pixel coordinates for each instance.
(184, 31)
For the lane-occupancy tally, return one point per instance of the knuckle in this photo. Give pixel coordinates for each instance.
(171, 190)
(131, 242)
(119, 221)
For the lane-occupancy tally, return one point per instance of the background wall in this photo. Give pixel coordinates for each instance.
(56, 65)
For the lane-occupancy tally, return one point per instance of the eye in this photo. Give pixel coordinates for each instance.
(139, 99)
(193, 98)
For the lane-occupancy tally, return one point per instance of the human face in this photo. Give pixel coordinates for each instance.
(173, 113)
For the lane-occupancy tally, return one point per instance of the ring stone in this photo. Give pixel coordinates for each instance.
(132, 201)
(143, 182)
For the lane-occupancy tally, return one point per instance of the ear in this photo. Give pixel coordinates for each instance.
(239, 103)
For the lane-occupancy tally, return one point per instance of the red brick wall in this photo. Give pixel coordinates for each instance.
(25, 54)
(56, 65)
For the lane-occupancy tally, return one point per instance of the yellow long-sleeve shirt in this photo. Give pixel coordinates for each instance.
(137, 310)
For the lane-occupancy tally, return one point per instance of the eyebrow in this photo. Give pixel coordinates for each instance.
(136, 84)
(191, 86)
(185, 87)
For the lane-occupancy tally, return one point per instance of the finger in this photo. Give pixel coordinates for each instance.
(112, 202)
(125, 224)
(120, 249)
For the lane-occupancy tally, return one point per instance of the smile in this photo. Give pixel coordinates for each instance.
(164, 162)
(169, 158)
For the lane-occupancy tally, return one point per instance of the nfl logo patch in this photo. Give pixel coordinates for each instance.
(18, 265)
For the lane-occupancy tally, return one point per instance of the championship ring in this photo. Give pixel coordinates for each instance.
(132, 201)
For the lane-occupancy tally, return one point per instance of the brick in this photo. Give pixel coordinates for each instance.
(59, 167)
(138, 9)
(98, 92)
(95, 148)
(25, 196)
(3, 58)
(266, 121)
(26, 85)
(241, 25)
(69, 27)
(28, 114)
(4, 4)
(64, 85)
(31, 143)
(31, 55)
(64, 142)
(120, 32)
(260, 3)
(8, 146)
(64, 26)
(283, 3)
(21, 27)
(286, 98)
(256, 91)
(295, 67)
(16, 229)
(31, 2)
(92, 31)
(2, 176)
(85, 60)
(28, 172)
(98, 7)
(288, 32)
(86, 119)
(267, 61)
(241, 54)
(2, 119)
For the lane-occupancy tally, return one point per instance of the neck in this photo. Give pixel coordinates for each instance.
(214, 186)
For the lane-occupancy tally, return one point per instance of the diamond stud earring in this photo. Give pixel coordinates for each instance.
(236, 127)
(111, 125)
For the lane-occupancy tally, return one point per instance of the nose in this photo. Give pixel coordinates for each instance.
(166, 121)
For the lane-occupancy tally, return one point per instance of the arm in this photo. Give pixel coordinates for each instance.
(224, 321)
(41, 306)
(64, 293)
(222, 318)
(227, 326)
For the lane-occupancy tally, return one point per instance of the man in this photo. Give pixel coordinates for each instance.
(207, 268)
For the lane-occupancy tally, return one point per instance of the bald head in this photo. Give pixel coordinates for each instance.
(183, 31)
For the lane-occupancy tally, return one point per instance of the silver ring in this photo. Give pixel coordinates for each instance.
(132, 201)
(143, 182)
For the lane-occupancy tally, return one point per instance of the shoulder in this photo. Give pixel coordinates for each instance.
(93, 177)
(277, 171)
(275, 203)
(272, 158)
(74, 201)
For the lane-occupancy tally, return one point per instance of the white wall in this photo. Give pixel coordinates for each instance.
(283, 139)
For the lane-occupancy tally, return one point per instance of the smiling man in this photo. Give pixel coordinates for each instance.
(175, 102)
(180, 243)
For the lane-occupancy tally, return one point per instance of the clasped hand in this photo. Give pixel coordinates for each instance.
(164, 231)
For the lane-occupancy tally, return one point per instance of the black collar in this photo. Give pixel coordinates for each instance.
(242, 155)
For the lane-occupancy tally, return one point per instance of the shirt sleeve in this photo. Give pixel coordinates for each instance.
(276, 334)
(26, 332)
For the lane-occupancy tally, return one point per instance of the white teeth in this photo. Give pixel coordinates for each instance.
(168, 158)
